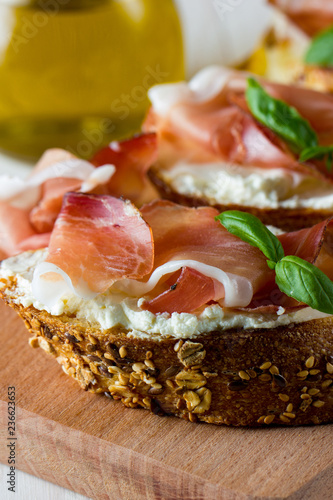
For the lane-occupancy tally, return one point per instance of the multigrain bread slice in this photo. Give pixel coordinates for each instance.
(257, 377)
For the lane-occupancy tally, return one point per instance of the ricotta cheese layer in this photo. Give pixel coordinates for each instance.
(226, 184)
(111, 309)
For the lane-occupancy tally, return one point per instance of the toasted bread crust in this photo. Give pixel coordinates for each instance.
(238, 377)
(285, 219)
(317, 78)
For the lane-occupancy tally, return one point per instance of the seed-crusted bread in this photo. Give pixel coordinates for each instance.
(258, 377)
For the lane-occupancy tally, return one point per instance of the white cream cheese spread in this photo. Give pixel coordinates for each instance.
(226, 184)
(111, 309)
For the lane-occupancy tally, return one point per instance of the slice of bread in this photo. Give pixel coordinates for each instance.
(257, 377)
(287, 219)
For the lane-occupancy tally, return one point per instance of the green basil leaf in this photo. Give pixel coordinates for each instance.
(278, 116)
(318, 152)
(304, 282)
(320, 51)
(251, 230)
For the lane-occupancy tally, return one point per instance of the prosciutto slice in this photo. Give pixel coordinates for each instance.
(32, 205)
(207, 122)
(227, 252)
(191, 290)
(182, 233)
(132, 159)
(315, 245)
(29, 207)
(14, 228)
(314, 106)
(174, 259)
(312, 16)
(61, 172)
(43, 216)
(96, 241)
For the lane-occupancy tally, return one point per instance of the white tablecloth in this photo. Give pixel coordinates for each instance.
(31, 488)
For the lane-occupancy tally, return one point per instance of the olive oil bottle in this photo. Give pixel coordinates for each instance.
(74, 73)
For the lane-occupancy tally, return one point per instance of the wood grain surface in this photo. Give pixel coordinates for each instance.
(98, 448)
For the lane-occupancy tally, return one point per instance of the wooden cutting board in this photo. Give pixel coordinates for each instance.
(98, 448)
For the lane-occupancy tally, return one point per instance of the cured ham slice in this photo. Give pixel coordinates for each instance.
(226, 252)
(314, 106)
(228, 134)
(96, 241)
(312, 16)
(43, 216)
(174, 259)
(29, 207)
(213, 123)
(182, 233)
(34, 242)
(132, 159)
(54, 165)
(50, 157)
(193, 233)
(189, 292)
(14, 228)
(234, 290)
(314, 245)
(60, 172)
(119, 169)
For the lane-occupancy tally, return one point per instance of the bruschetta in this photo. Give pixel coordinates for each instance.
(167, 309)
(230, 141)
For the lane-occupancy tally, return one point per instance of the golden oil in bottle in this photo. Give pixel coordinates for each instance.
(74, 73)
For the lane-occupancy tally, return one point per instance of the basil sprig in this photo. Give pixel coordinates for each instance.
(294, 276)
(287, 123)
(320, 51)
(278, 116)
(318, 152)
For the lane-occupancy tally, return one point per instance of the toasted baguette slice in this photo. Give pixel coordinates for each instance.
(258, 377)
(283, 218)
